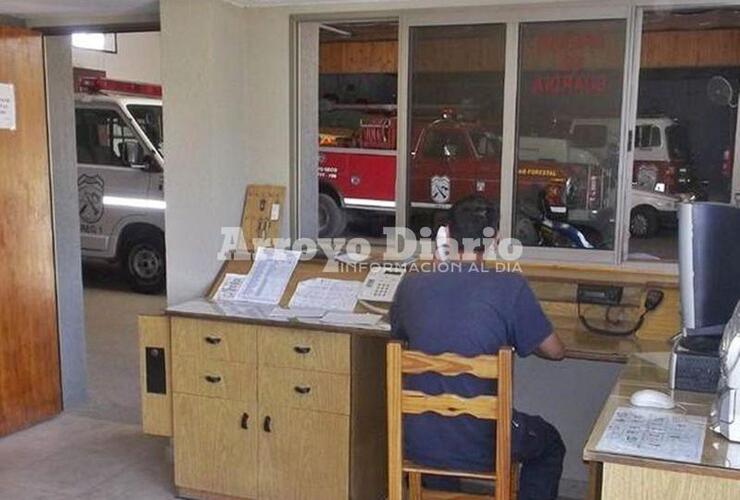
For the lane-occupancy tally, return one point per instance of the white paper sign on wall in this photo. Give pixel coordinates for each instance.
(7, 106)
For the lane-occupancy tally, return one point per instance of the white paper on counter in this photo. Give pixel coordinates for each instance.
(289, 313)
(326, 294)
(351, 319)
(661, 434)
(269, 275)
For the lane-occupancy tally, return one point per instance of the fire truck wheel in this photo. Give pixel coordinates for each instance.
(644, 222)
(332, 219)
(144, 263)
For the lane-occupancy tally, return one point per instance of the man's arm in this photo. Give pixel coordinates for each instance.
(551, 348)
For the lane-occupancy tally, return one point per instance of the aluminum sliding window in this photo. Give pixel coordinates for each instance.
(497, 101)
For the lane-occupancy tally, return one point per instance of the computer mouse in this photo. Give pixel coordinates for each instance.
(648, 398)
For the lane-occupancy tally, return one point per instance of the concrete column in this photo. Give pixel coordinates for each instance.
(63, 160)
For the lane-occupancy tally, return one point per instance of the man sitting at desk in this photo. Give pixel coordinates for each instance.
(469, 312)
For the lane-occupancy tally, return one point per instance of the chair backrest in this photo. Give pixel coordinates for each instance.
(497, 408)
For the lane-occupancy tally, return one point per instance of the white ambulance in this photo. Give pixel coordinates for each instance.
(120, 178)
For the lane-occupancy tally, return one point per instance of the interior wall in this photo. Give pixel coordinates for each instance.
(63, 159)
(227, 94)
(137, 58)
(206, 116)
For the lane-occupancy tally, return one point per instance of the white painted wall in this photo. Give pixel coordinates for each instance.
(205, 116)
(227, 98)
(137, 59)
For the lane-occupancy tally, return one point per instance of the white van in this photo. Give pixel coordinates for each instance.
(120, 178)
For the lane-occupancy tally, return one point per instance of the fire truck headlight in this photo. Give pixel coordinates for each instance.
(660, 187)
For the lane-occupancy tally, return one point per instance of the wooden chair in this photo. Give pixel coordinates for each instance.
(498, 408)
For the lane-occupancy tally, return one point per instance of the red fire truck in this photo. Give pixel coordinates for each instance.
(450, 159)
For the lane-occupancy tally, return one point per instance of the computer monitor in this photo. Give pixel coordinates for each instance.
(709, 265)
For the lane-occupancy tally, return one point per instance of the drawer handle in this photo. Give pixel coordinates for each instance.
(245, 420)
(267, 424)
(302, 389)
(212, 340)
(213, 379)
(302, 349)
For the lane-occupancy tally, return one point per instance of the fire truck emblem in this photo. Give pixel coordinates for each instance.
(440, 189)
(90, 190)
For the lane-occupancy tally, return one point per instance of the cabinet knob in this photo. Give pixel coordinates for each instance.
(267, 424)
(245, 420)
(302, 349)
(213, 340)
(302, 389)
(213, 379)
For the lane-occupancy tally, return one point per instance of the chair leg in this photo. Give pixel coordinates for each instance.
(414, 486)
(514, 481)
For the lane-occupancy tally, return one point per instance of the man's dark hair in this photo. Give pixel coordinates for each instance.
(470, 216)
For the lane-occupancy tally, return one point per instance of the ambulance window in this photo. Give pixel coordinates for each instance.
(100, 133)
(150, 121)
(647, 136)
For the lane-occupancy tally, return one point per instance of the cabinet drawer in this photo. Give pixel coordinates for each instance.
(304, 389)
(216, 379)
(328, 352)
(214, 340)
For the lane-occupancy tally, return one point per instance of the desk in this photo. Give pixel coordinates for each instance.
(716, 476)
(263, 408)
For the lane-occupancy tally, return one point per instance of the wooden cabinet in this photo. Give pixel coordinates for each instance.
(216, 445)
(304, 456)
(272, 413)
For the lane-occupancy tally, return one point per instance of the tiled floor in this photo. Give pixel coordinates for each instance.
(76, 457)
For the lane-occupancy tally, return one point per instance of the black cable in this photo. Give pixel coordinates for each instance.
(611, 333)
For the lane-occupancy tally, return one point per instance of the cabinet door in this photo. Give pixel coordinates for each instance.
(303, 455)
(214, 452)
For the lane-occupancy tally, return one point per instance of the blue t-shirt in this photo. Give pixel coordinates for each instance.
(469, 312)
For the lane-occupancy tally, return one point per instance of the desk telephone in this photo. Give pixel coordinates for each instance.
(381, 284)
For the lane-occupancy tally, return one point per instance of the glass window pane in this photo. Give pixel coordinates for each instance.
(568, 132)
(689, 66)
(100, 134)
(149, 119)
(455, 113)
(357, 128)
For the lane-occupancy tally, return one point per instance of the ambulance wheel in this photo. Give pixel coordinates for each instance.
(332, 219)
(644, 222)
(144, 263)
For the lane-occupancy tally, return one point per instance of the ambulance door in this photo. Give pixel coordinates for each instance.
(110, 191)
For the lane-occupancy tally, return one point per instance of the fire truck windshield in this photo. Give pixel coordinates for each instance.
(486, 144)
(150, 120)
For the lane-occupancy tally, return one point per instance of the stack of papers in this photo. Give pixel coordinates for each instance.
(326, 294)
(266, 281)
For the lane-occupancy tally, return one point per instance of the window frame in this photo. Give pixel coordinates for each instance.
(512, 15)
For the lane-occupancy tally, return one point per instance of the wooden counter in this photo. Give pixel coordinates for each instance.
(716, 476)
(269, 409)
(555, 287)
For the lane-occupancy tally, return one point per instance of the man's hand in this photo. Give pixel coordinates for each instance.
(551, 348)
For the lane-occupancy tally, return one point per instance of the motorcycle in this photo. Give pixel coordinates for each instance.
(546, 226)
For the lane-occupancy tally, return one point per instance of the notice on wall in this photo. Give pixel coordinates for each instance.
(7, 106)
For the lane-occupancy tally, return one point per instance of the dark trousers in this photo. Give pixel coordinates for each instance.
(537, 445)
